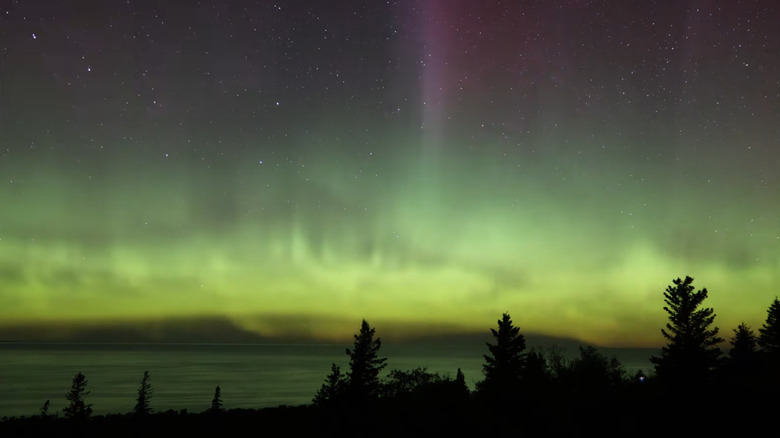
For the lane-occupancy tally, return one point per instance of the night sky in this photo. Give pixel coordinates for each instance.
(296, 166)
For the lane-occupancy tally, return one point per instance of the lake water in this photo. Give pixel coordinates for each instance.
(184, 376)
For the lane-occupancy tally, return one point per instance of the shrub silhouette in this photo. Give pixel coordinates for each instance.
(537, 375)
(144, 394)
(420, 390)
(691, 355)
(557, 365)
(77, 409)
(402, 383)
(592, 371)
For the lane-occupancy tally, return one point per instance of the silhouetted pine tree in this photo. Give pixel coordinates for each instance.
(742, 363)
(332, 389)
(743, 346)
(77, 409)
(216, 402)
(769, 333)
(144, 394)
(364, 365)
(45, 409)
(503, 368)
(691, 354)
(769, 341)
(460, 384)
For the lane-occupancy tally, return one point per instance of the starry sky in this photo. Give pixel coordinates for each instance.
(295, 166)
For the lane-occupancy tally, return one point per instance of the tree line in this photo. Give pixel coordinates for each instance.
(78, 409)
(691, 362)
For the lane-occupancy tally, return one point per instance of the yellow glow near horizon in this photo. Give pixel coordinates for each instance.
(617, 307)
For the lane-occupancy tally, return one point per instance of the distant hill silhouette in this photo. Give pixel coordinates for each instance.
(189, 330)
(479, 338)
(224, 330)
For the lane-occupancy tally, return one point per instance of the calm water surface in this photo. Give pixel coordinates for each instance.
(184, 376)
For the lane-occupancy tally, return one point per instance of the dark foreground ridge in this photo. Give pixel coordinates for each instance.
(633, 412)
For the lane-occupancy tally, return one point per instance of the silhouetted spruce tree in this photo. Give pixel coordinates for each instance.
(77, 409)
(364, 365)
(769, 341)
(45, 410)
(460, 384)
(743, 345)
(503, 368)
(769, 333)
(144, 394)
(691, 355)
(742, 362)
(216, 402)
(332, 389)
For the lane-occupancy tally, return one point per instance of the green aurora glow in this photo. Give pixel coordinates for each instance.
(425, 206)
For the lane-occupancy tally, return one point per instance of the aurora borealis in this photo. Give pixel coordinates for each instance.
(414, 163)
